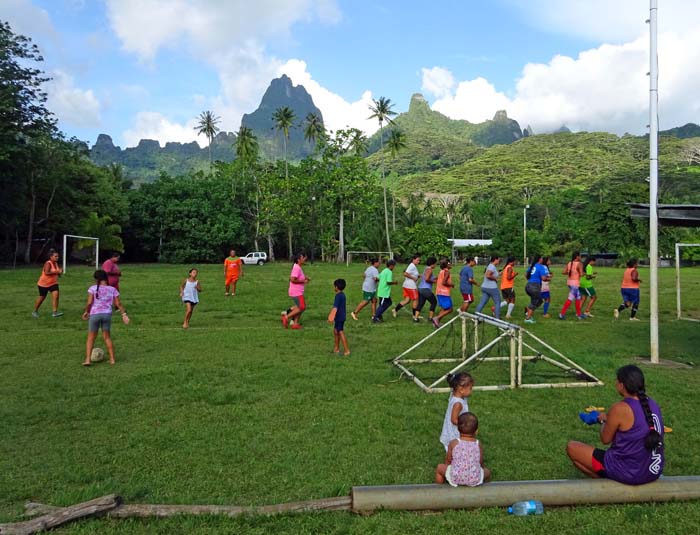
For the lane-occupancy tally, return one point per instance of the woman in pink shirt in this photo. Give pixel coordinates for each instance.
(98, 312)
(297, 281)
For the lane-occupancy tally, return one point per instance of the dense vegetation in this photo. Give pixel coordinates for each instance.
(444, 178)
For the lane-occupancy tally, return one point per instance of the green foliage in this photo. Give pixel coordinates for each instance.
(422, 238)
(102, 228)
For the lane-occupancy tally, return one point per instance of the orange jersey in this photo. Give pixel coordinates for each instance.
(627, 281)
(507, 283)
(46, 281)
(232, 265)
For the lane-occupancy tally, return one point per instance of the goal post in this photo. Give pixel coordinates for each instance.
(379, 254)
(679, 309)
(65, 248)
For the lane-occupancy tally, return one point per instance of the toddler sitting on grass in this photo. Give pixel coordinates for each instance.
(464, 463)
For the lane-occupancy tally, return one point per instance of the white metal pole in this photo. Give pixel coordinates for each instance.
(678, 282)
(97, 255)
(653, 186)
(525, 234)
(64, 253)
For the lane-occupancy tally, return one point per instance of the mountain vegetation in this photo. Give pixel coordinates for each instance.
(429, 178)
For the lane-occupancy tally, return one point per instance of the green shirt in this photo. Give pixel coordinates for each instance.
(385, 277)
(585, 281)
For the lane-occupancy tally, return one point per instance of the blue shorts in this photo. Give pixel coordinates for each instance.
(630, 295)
(545, 295)
(339, 325)
(445, 301)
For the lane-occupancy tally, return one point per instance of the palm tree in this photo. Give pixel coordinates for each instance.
(395, 143)
(314, 130)
(284, 119)
(358, 142)
(207, 125)
(381, 110)
(247, 151)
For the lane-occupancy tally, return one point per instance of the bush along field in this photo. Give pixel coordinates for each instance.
(237, 410)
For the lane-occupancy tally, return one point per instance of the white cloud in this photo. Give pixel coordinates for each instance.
(337, 112)
(230, 37)
(72, 105)
(438, 81)
(608, 21)
(605, 88)
(28, 19)
(154, 125)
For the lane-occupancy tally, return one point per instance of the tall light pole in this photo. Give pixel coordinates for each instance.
(653, 186)
(525, 234)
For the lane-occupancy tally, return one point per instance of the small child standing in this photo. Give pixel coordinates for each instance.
(189, 292)
(461, 384)
(337, 318)
(464, 462)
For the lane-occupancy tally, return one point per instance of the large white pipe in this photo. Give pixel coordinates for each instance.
(504, 493)
(653, 186)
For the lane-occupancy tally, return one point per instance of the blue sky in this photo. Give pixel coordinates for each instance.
(146, 68)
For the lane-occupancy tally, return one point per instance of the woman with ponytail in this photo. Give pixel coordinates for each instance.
(634, 427)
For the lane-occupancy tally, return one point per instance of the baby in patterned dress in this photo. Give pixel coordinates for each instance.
(464, 463)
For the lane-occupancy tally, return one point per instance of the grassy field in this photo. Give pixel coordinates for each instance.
(237, 410)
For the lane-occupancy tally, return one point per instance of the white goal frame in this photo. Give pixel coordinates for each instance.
(65, 248)
(348, 255)
(679, 312)
(523, 347)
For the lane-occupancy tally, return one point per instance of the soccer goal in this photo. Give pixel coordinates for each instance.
(685, 310)
(507, 356)
(75, 237)
(366, 255)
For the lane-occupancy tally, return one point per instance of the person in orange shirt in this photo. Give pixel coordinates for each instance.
(507, 281)
(630, 291)
(233, 268)
(48, 283)
(443, 291)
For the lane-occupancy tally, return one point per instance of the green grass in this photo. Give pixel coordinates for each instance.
(239, 411)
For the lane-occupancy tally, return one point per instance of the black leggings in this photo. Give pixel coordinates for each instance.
(425, 294)
(534, 290)
(384, 304)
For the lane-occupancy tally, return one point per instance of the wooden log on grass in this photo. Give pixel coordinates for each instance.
(60, 516)
(504, 493)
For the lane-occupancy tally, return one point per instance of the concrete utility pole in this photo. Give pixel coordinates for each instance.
(653, 185)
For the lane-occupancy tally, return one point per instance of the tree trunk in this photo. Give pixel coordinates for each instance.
(386, 208)
(270, 248)
(341, 235)
(30, 223)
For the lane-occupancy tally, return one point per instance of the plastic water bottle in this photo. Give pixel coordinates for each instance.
(530, 507)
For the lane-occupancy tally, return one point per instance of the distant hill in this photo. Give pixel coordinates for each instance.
(146, 161)
(683, 132)
(280, 93)
(435, 141)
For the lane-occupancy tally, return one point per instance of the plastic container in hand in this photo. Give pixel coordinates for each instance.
(530, 507)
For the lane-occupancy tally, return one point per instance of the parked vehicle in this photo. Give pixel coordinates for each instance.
(256, 257)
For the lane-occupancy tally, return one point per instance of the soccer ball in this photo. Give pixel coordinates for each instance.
(97, 355)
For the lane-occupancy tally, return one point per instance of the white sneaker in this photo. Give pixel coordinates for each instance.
(634, 319)
(393, 312)
(35, 314)
(616, 313)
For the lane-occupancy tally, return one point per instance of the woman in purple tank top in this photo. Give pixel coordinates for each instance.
(634, 427)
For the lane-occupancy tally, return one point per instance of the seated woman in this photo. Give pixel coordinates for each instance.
(635, 429)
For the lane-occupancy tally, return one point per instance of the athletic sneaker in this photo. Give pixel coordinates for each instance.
(562, 316)
(416, 320)
(57, 314)
(35, 314)
(285, 320)
(546, 316)
(353, 315)
(634, 319)
(376, 320)
(296, 326)
(530, 320)
(582, 317)
(393, 312)
(589, 315)
(616, 313)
